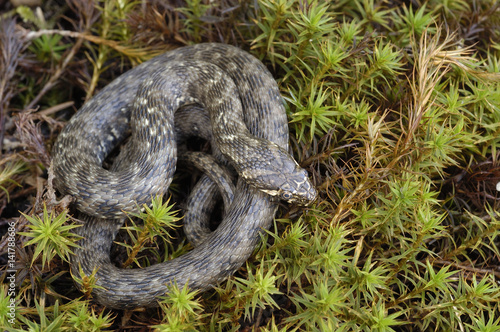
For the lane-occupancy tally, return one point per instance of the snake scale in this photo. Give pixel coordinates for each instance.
(248, 125)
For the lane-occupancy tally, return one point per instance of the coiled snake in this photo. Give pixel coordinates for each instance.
(249, 127)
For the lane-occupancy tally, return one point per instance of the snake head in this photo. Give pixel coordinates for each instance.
(294, 188)
(277, 174)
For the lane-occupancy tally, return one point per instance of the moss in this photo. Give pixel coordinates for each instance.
(394, 111)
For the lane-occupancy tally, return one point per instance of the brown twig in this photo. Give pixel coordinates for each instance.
(10, 47)
(57, 74)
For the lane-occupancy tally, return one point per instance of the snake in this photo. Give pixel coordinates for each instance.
(150, 107)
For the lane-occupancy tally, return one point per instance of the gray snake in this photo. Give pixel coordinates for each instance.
(249, 128)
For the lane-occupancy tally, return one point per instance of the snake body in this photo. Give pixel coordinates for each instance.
(249, 127)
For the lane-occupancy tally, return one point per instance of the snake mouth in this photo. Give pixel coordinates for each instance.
(306, 200)
(306, 194)
(303, 198)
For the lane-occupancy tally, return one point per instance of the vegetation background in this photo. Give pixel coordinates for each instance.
(394, 109)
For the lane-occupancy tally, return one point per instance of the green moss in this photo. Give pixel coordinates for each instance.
(393, 109)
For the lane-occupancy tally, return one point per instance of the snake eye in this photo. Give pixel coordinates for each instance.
(286, 195)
